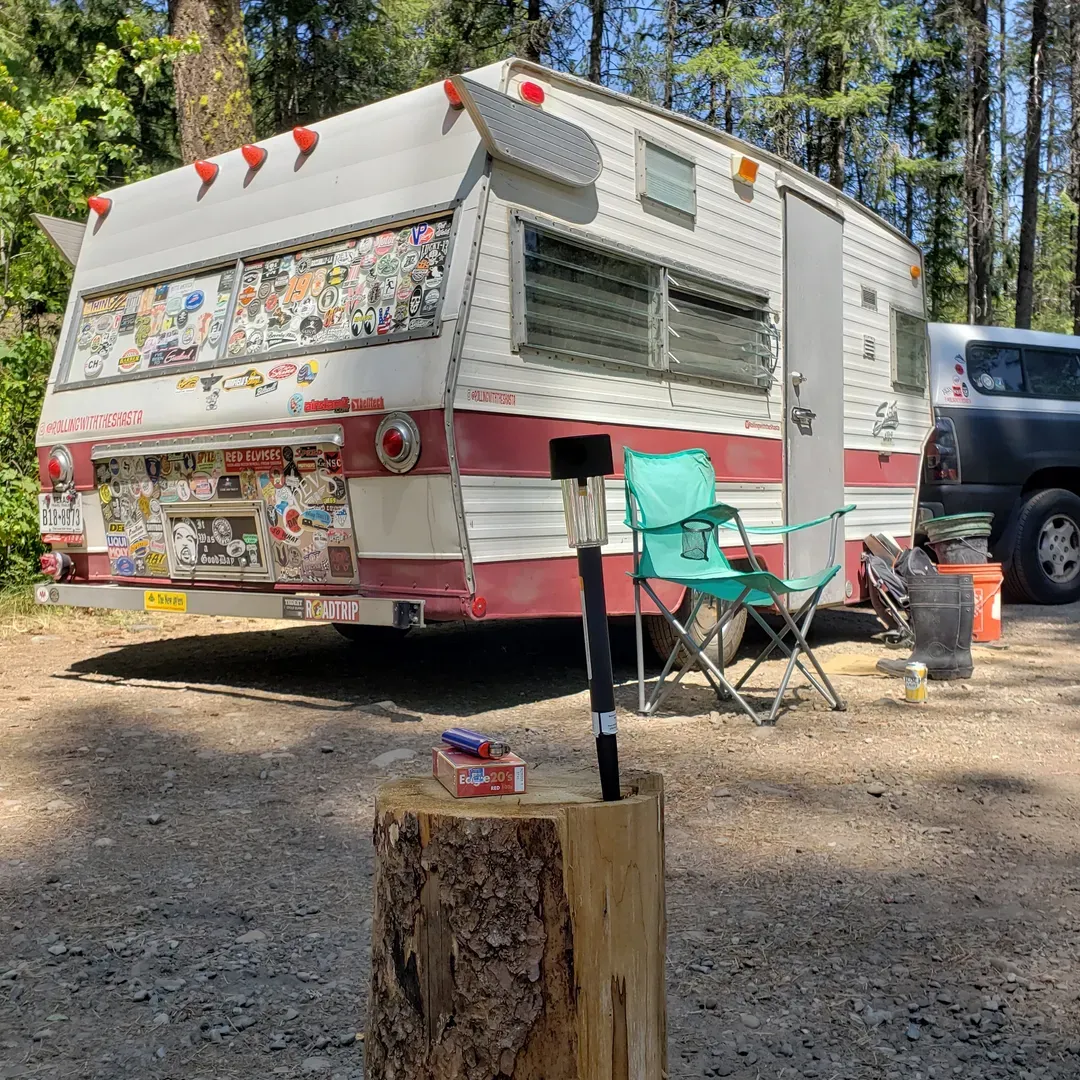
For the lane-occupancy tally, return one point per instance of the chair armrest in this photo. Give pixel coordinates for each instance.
(783, 530)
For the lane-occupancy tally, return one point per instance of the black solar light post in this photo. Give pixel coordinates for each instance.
(580, 464)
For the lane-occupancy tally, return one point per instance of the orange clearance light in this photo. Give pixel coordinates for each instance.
(743, 168)
(207, 171)
(99, 204)
(253, 155)
(452, 95)
(531, 92)
(305, 138)
(916, 272)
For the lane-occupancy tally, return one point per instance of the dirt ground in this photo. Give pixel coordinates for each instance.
(185, 857)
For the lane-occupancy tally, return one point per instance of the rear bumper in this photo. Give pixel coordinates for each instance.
(360, 610)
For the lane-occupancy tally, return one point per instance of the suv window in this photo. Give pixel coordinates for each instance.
(1053, 373)
(995, 369)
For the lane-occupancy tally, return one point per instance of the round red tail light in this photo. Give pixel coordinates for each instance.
(393, 444)
(60, 468)
(397, 442)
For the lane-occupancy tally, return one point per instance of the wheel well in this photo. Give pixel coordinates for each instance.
(1061, 476)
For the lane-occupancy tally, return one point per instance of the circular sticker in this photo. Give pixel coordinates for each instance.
(370, 321)
(388, 266)
(144, 506)
(309, 370)
(129, 360)
(282, 371)
(181, 319)
(296, 405)
(235, 548)
(356, 322)
(155, 508)
(124, 566)
(328, 298)
(93, 366)
(318, 282)
(237, 342)
(105, 493)
(222, 530)
(310, 328)
(202, 486)
(194, 300)
(384, 242)
(336, 275)
(183, 490)
(986, 381)
(409, 260)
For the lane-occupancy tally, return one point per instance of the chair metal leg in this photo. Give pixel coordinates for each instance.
(706, 662)
(640, 638)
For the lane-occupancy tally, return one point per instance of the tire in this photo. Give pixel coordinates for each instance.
(1045, 566)
(662, 636)
(382, 639)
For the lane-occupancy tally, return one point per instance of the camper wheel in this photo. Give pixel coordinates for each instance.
(663, 638)
(371, 638)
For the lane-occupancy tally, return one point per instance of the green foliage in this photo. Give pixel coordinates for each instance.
(58, 144)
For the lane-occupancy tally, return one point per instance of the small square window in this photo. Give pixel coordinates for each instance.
(666, 178)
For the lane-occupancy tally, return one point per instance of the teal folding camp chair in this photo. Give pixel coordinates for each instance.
(671, 508)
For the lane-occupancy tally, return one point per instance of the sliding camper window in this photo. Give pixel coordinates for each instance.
(909, 349)
(717, 334)
(588, 303)
(157, 327)
(382, 286)
(1028, 371)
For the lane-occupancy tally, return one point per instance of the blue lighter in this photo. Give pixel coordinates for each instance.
(472, 742)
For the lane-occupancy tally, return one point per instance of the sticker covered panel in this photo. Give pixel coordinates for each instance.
(249, 514)
(377, 286)
(151, 327)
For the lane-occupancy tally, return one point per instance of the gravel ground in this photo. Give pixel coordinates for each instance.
(185, 857)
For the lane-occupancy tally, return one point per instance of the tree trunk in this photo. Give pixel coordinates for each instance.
(1074, 150)
(213, 93)
(1003, 131)
(980, 216)
(596, 40)
(1029, 207)
(535, 32)
(671, 24)
(519, 938)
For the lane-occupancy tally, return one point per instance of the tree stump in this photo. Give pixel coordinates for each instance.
(518, 937)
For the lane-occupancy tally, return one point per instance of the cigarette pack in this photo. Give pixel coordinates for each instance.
(467, 777)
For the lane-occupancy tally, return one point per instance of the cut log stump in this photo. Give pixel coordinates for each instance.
(518, 937)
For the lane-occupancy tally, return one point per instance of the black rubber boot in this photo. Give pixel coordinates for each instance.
(942, 614)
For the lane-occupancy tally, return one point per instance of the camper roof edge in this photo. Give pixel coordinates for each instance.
(823, 190)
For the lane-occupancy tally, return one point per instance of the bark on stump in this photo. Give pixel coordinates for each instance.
(518, 937)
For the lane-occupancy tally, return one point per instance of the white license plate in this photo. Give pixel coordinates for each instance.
(58, 514)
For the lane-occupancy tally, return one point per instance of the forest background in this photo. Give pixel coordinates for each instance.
(957, 120)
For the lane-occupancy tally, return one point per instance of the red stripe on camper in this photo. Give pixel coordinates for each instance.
(871, 468)
(498, 444)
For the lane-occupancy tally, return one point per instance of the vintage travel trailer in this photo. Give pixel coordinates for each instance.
(316, 378)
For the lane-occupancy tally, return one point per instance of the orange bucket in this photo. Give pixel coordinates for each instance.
(986, 579)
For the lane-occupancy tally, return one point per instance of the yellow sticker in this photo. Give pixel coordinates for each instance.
(106, 494)
(144, 506)
(156, 600)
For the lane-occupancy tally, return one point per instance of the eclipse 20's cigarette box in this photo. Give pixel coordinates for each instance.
(466, 777)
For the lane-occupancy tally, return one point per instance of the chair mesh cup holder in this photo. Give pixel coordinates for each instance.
(695, 539)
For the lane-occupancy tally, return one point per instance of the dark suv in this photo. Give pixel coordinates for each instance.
(1007, 439)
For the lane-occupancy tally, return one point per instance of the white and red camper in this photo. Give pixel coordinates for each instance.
(317, 378)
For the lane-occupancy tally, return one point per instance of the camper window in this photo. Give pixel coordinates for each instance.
(995, 369)
(909, 349)
(153, 328)
(718, 335)
(589, 303)
(666, 177)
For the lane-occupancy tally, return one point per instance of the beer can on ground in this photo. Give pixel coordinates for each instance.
(915, 682)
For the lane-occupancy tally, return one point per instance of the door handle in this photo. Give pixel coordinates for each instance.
(803, 419)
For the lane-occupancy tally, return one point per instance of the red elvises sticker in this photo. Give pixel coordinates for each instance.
(467, 777)
(254, 457)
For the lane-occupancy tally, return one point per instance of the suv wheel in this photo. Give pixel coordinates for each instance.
(1046, 553)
